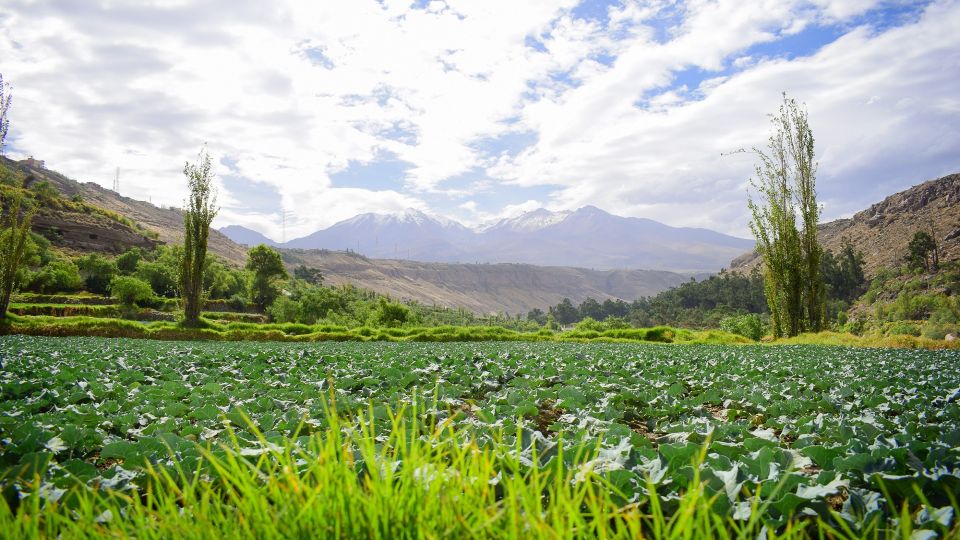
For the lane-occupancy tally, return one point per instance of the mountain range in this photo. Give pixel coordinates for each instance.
(588, 237)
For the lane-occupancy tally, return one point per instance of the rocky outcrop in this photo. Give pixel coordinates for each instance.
(883, 230)
(89, 232)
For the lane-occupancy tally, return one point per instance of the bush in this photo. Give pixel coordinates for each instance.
(904, 328)
(56, 276)
(284, 310)
(390, 314)
(749, 326)
(589, 323)
(130, 291)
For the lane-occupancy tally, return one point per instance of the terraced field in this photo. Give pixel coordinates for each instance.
(789, 431)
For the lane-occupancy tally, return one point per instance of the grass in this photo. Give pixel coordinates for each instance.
(243, 331)
(872, 341)
(227, 330)
(406, 475)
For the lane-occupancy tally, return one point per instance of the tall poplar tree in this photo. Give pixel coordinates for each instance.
(15, 217)
(785, 182)
(197, 216)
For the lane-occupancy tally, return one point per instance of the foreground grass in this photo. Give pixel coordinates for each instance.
(398, 477)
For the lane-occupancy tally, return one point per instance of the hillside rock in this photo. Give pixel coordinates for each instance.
(88, 232)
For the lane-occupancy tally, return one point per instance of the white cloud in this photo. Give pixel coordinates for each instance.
(290, 93)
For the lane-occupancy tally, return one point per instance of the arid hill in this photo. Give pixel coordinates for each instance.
(883, 231)
(483, 288)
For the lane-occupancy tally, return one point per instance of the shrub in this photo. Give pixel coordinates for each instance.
(56, 276)
(589, 323)
(130, 291)
(904, 328)
(284, 310)
(750, 326)
(390, 314)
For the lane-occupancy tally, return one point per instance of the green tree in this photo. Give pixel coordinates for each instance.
(786, 184)
(199, 213)
(591, 308)
(537, 315)
(266, 265)
(96, 271)
(565, 312)
(130, 291)
(922, 252)
(15, 217)
(127, 261)
(310, 275)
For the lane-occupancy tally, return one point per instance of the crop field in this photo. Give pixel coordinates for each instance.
(861, 439)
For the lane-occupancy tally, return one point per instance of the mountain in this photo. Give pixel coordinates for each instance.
(883, 231)
(596, 239)
(588, 237)
(483, 288)
(245, 236)
(409, 235)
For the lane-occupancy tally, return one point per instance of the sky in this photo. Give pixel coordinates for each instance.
(480, 109)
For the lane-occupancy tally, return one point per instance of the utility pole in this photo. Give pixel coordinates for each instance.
(116, 181)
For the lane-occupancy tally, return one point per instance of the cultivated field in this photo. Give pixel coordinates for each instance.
(593, 438)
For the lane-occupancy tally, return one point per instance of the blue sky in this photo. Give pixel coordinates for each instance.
(481, 109)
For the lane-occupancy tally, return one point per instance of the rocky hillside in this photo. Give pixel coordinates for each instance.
(166, 223)
(883, 231)
(483, 288)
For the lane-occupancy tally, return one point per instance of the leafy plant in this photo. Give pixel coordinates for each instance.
(130, 291)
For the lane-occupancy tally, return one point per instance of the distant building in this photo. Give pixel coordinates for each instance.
(35, 163)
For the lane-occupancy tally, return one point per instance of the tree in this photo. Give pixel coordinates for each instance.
(786, 184)
(565, 312)
(97, 271)
(310, 275)
(266, 265)
(199, 213)
(128, 260)
(843, 274)
(922, 252)
(5, 99)
(591, 308)
(537, 315)
(15, 218)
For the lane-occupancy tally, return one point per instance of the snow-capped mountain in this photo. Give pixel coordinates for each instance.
(411, 234)
(588, 237)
